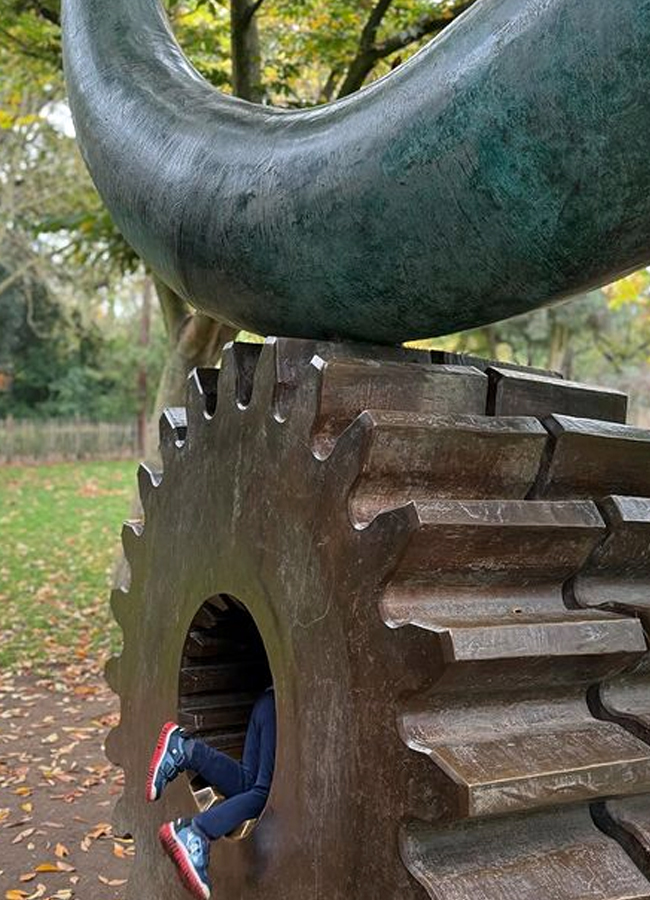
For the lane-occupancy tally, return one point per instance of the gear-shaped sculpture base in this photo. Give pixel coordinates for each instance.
(415, 542)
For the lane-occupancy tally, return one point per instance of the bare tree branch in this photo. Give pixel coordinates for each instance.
(369, 54)
(16, 275)
(371, 27)
(327, 91)
(365, 59)
(245, 51)
(174, 309)
(253, 9)
(427, 25)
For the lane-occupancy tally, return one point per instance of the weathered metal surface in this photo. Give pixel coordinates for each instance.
(587, 458)
(434, 673)
(447, 358)
(527, 393)
(628, 821)
(464, 456)
(617, 577)
(503, 167)
(558, 855)
(349, 387)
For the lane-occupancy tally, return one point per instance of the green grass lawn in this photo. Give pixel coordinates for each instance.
(59, 536)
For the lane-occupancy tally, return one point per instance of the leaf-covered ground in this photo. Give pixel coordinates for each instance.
(59, 534)
(57, 791)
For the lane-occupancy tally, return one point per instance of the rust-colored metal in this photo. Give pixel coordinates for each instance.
(440, 585)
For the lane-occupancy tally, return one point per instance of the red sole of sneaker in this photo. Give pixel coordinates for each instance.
(158, 753)
(176, 852)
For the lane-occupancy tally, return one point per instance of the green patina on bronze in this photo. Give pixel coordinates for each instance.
(504, 167)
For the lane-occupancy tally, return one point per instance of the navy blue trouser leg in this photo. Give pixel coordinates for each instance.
(246, 785)
(218, 769)
(228, 815)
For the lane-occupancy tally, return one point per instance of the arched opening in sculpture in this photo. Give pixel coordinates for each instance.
(224, 668)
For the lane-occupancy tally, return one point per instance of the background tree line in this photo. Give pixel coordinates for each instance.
(84, 330)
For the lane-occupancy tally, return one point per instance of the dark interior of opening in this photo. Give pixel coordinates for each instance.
(223, 670)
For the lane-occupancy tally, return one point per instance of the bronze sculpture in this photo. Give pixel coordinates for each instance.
(443, 562)
(423, 576)
(503, 167)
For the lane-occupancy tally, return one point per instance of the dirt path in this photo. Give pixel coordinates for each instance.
(57, 790)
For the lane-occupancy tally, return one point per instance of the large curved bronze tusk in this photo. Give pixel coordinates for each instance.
(504, 167)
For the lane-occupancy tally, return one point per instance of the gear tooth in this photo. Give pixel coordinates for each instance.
(281, 367)
(122, 826)
(529, 393)
(113, 744)
(238, 365)
(461, 534)
(348, 386)
(296, 396)
(267, 387)
(172, 430)
(416, 456)
(304, 366)
(393, 527)
(617, 578)
(132, 531)
(112, 673)
(202, 389)
(287, 364)
(227, 396)
(148, 481)
(246, 357)
(438, 857)
(347, 459)
(120, 600)
(617, 575)
(284, 375)
(591, 458)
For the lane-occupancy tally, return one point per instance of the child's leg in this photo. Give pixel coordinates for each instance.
(218, 769)
(225, 817)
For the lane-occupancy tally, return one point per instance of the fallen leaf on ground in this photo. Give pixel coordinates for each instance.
(65, 867)
(40, 890)
(22, 835)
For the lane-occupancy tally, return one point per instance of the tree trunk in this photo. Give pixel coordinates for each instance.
(559, 352)
(245, 49)
(358, 72)
(194, 340)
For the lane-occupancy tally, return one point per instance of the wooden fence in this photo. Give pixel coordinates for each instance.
(50, 440)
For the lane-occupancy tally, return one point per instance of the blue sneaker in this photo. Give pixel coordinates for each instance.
(189, 850)
(167, 761)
